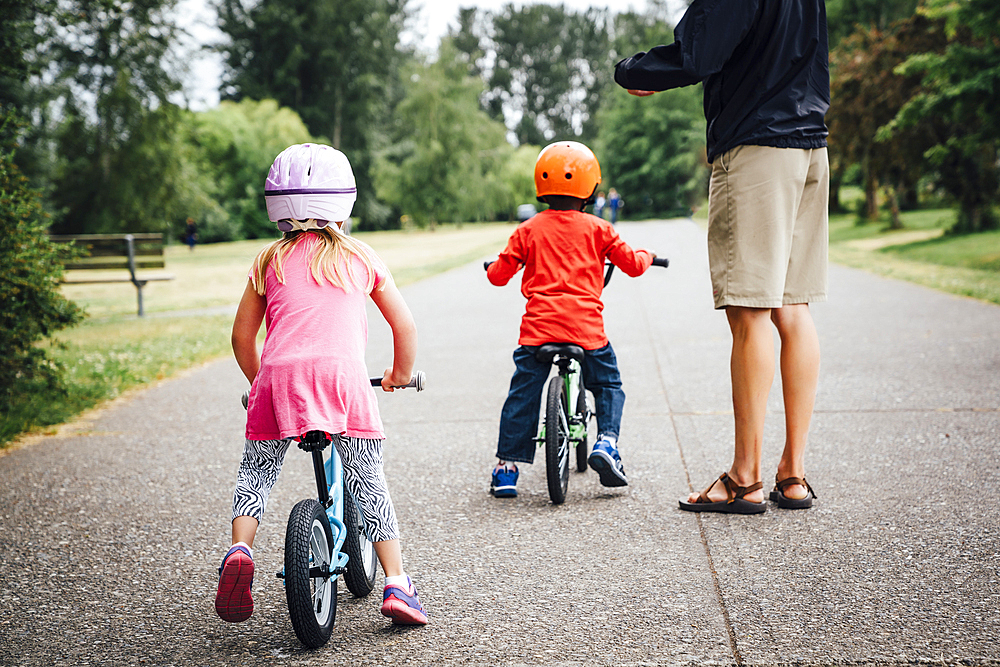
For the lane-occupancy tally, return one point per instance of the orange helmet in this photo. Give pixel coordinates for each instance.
(566, 168)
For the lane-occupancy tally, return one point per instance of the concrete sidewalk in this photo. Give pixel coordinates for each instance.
(110, 539)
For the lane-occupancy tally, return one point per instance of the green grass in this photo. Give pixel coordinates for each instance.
(103, 359)
(114, 350)
(922, 252)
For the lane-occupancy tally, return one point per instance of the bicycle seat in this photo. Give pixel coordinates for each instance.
(547, 352)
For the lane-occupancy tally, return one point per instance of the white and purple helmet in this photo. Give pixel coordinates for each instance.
(309, 182)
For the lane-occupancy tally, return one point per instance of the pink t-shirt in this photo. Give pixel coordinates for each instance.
(312, 369)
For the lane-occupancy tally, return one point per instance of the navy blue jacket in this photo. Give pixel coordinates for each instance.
(764, 63)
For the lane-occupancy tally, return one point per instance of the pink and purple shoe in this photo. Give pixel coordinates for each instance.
(233, 601)
(402, 607)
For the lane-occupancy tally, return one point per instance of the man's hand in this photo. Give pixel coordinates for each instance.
(641, 93)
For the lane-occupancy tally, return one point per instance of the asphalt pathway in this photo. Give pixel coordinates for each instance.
(110, 538)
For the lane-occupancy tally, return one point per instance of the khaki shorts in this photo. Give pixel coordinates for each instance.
(768, 226)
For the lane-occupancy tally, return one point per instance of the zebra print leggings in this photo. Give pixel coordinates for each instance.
(363, 475)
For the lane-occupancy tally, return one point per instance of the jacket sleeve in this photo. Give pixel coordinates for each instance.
(632, 262)
(704, 40)
(508, 263)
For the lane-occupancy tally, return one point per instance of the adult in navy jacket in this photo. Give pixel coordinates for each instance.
(764, 66)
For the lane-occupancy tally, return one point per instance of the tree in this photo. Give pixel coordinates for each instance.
(31, 307)
(867, 93)
(961, 94)
(334, 62)
(236, 144)
(652, 149)
(107, 81)
(844, 17)
(548, 68)
(447, 156)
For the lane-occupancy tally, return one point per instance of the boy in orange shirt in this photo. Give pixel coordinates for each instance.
(562, 250)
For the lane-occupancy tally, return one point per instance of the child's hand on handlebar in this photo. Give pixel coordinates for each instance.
(641, 93)
(390, 380)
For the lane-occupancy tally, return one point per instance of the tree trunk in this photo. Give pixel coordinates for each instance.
(836, 179)
(894, 220)
(871, 198)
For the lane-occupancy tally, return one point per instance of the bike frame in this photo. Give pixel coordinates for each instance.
(570, 372)
(334, 504)
(329, 475)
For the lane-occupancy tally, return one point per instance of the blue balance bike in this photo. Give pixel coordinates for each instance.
(324, 539)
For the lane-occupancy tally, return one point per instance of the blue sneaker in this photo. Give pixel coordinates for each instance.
(504, 483)
(608, 463)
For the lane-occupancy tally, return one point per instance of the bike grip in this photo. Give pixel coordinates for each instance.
(416, 382)
(661, 261)
(487, 263)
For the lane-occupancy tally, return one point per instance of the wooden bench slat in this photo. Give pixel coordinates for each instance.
(83, 280)
(121, 264)
(144, 236)
(122, 252)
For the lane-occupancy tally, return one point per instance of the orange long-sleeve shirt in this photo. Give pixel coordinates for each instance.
(563, 255)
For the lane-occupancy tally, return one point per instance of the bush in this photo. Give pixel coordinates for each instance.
(31, 307)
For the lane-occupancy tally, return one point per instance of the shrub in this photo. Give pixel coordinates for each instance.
(31, 307)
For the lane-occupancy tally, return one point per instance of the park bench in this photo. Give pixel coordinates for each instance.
(115, 251)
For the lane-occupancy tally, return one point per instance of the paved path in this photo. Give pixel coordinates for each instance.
(109, 540)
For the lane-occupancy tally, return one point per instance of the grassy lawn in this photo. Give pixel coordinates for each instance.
(922, 252)
(189, 319)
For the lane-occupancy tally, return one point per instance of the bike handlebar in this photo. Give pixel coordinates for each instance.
(416, 382)
(657, 261)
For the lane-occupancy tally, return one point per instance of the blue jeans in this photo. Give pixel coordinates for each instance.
(519, 418)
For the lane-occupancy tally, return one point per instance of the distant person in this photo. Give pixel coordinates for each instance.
(764, 65)
(190, 233)
(562, 251)
(313, 284)
(614, 203)
(599, 204)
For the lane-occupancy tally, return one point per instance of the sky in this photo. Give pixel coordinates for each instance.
(431, 22)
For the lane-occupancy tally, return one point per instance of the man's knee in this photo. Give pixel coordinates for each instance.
(743, 318)
(790, 318)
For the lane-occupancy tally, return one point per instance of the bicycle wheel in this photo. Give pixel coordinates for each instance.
(360, 574)
(582, 447)
(310, 587)
(557, 441)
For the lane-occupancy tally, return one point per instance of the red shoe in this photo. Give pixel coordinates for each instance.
(401, 607)
(233, 602)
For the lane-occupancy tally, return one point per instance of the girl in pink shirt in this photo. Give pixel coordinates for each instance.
(311, 286)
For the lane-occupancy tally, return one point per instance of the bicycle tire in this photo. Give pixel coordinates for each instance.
(361, 560)
(557, 441)
(582, 447)
(310, 588)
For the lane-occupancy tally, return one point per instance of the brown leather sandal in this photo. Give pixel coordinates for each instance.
(786, 503)
(734, 504)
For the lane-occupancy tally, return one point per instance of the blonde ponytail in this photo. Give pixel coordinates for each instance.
(327, 260)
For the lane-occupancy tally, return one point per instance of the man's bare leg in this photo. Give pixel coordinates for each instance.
(752, 369)
(799, 375)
